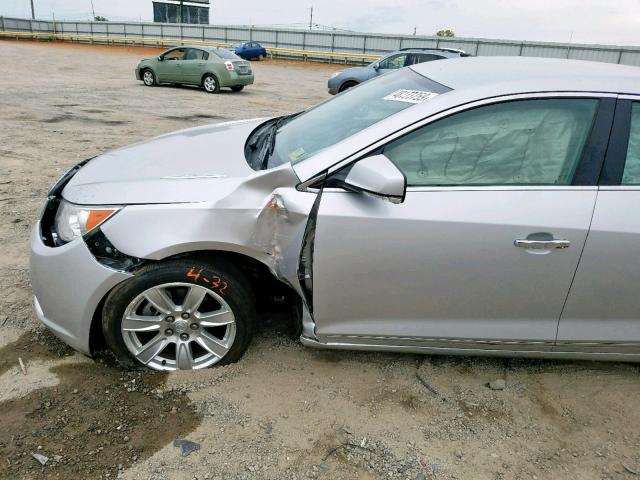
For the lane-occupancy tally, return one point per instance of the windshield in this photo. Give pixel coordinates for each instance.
(346, 114)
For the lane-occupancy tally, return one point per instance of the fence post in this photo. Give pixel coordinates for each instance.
(250, 34)
(333, 42)
(202, 34)
(438, 42)
(141, 34)
(2, 22)
(276, 38)
(124, 26)
(161, 32)
(181, 34)
(304, 39)
(619, 56)
(521, 49)
(477, 48)
(400, 44)
(226, 35)
(91, 30)
(364, 44)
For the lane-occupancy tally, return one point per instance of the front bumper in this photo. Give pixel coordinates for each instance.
(138, 76)
(68, 285)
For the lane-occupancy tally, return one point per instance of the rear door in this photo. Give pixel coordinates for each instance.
(194, 65)
(603, 310)
(482, 252)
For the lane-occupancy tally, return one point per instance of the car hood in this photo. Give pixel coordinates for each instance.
(184, 166)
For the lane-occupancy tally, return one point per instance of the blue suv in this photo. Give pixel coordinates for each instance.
(350, 77)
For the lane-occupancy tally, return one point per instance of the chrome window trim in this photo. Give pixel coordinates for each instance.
(303, 186)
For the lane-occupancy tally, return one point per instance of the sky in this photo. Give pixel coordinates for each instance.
(614, 22)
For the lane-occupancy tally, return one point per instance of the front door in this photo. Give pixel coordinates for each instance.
(603, 309)
(393, 62)
(170, 69)
(485, 245)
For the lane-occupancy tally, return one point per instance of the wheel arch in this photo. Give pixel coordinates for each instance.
(210, 72)
(261, 279)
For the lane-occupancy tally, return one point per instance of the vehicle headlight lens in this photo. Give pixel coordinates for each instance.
(336, 74)
(73, 221)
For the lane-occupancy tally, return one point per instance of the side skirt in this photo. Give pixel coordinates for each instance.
(493, 349)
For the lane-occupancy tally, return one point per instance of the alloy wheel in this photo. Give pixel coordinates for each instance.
(210, 84)
(178, 326)
(147, 78)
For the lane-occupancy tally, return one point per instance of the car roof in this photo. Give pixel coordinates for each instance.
(208, 48)
(507, 75)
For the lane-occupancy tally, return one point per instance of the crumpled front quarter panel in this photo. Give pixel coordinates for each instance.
(263, 217)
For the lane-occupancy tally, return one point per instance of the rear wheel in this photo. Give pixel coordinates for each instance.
(347, 85)
(210, 83)
(260, 57)
(179, 315)
(237, 88)
(148, 78)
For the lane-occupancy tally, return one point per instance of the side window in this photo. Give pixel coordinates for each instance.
(195, 54)
(176, 54)
(631, 174)
(393, 62)
(525, 142)
(427, 57)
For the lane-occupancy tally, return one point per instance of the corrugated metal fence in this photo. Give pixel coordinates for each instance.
(320, 44)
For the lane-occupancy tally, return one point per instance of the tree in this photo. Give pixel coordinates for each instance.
(99, 18)
(445, 33)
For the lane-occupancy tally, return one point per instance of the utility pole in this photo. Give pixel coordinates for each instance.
(33, 12)
(93, 10)
(414, 30)
(311, 19)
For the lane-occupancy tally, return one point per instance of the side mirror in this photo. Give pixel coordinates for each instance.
(376, 66)
(378, 177)
(160, 58)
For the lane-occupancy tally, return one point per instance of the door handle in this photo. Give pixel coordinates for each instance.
(542, 244)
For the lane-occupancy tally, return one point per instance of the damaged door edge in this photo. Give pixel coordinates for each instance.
(305, 267)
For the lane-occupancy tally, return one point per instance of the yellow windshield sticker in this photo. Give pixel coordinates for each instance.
(296, 154)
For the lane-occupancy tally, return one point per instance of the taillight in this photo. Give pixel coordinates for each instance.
(229, 66)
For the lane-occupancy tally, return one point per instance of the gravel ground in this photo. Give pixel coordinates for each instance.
(283, 411)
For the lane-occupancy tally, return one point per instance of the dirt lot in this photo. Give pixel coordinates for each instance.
(283, 411)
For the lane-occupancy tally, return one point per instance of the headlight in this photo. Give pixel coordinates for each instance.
(73, 221)
(336, 74)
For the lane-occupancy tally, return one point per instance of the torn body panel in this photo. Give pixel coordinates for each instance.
(263, 217)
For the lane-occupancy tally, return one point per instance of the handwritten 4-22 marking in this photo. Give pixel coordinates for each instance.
(198, 274)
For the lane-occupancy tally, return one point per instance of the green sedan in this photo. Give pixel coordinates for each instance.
(210, 67)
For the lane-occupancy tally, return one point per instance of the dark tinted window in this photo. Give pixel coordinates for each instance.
(631, 175)
(226, 54)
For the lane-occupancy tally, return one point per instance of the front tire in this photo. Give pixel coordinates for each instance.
(237, 88)
(346, 86)
(179, 315)
(149, 78)
(210, 83)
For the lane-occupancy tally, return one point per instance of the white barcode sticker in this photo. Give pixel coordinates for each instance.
(410, 96)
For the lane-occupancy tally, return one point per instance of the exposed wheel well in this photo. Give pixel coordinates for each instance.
(270, 294)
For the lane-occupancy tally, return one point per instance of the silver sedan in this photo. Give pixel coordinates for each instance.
(474, 206)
